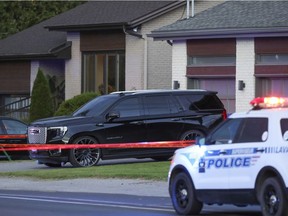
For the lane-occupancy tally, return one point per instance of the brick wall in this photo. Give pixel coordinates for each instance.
(73, 68)
(148, 62)
(179, 63)
(245, 60)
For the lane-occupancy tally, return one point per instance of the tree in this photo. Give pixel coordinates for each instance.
(16, 16)
(41, 101)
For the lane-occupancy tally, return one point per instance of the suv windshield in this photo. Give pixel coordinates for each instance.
(96, 106)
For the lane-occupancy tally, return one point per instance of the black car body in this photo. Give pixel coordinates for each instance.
(124, 117)
(13, 131)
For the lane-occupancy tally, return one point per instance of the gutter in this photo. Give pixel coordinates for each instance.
(60, 52)
(219, 33)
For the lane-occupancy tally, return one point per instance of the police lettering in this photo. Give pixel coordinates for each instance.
(229, 162)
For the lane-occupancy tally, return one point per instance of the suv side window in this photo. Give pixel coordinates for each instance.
(129, 107)
(160, 104)
(200, 102)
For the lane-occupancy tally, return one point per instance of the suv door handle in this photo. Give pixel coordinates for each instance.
(176, 119)
(137, 122)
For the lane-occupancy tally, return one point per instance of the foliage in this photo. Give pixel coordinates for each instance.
(16, 16)
(70, 105)
(41, 101)
(57, 89)
(149, 171)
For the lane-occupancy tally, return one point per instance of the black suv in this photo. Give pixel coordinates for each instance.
(128, 116)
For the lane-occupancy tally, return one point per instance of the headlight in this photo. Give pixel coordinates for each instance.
(54, 132)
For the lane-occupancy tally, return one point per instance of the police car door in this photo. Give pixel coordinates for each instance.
(215, 163)
(246, 152)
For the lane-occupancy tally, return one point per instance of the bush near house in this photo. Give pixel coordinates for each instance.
(69, 106)
(41, 101)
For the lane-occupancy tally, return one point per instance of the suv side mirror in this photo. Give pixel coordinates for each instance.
(113, 115)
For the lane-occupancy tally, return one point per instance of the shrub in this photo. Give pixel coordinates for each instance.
(69, 106)
(41, 102)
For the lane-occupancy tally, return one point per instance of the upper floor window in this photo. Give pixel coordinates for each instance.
(272, 59)
(211, 60)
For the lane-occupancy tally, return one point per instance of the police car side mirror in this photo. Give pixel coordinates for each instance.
(200, 141)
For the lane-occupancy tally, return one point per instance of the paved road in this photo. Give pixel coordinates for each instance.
(137, 189)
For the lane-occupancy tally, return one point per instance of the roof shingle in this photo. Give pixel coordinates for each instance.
(238, 16)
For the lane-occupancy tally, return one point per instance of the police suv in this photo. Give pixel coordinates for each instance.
(244, 161)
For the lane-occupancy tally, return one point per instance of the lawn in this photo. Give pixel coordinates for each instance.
(147, 170)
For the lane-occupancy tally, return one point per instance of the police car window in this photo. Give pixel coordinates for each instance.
(226, 133)
(130, 107)
(284, 128)
(252, 130)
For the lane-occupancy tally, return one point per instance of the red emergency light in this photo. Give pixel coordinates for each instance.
(269, 102)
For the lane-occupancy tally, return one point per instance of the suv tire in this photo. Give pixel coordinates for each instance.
(191, 135)
(272, 198)
(84, 157)
(183, 195)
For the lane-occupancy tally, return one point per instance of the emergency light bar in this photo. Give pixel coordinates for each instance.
(269, 102)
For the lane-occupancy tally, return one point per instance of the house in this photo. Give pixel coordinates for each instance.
(97, 46)
(238, 48)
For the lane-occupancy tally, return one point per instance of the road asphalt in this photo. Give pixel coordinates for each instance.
(90, 185)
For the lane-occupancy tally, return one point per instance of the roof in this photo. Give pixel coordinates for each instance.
(38, 41)
(231, 19)
(111, 14)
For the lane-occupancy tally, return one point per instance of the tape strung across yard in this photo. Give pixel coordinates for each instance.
(160, 144)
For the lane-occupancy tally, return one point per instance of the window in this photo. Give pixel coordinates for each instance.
(271, 86)
(272, 59)
(14, 127)
(226, 133)
(253, 130)
(225, 89)
(240, 130)
(128, 108)
(284, 128)
(157, 105)
(103, 72)
(211, 60)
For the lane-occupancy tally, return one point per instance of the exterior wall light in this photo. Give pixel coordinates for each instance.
(241, 85)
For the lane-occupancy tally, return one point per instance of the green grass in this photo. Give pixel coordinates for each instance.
(148, 170)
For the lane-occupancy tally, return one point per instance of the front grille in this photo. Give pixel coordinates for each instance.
(37, 135)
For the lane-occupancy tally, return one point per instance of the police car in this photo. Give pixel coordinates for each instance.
(244, 161)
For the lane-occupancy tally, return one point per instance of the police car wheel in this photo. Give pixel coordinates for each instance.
(272, 198)
(183, 195)
(191, 135)
(84, 157)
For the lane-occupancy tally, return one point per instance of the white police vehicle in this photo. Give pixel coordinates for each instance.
(244, 161)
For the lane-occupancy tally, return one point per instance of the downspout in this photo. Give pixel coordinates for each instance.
(188, 8)
(145, 73)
